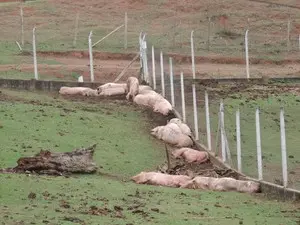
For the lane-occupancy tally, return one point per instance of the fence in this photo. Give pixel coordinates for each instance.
(230, 134)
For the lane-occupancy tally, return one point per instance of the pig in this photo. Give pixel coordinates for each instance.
(132, 87)
(90, 92)
(163, 106)
(161, 179)
(112, 85)
(222, 184)
(172, 134)
(191, 155)
(73, 90)
(184, 128)
(147, 99)
(112, 91)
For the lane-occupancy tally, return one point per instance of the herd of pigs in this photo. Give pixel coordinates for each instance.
(175, 133)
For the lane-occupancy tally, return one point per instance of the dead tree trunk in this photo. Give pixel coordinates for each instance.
(46, 162)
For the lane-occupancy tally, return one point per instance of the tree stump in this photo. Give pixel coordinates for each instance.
(46, 162)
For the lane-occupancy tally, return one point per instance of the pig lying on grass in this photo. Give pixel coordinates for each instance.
(110, 89)
(160, 179)
(222, 184)
(191, 155)
(85, 91)
(172, 134)
(153, 100)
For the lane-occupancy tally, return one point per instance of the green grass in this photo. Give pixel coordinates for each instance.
(40, 121)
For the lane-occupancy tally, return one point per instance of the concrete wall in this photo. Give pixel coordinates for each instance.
(43, 84)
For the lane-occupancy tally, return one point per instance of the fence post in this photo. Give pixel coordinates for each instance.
(182, 97)
(283, 148)
(258, 146)
(34, 55)
(91, 56)
(207, 122)
(208, 34)
(125, 30)
(76, 29)
(247, 54)
(172, 82)
(288, 34)
(145, 63)
(22, 25)
(238, 141)
(153, 69)
(162, 74)
(195, 113)
(222, 124)
(193, 55)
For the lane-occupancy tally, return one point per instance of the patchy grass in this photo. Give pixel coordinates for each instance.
(31, 121)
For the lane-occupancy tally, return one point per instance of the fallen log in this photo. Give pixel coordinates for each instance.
(46, 162)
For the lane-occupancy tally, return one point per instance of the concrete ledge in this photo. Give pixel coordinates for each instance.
(45, 85)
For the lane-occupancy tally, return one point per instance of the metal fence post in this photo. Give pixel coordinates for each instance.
(125, 30)
(283, 148)
(172, 83)
(223, 144)
(207, 122)
(195, 113)
(153, 69)
(247, 54)
(258, 146)
(91, 57)
(162, 74)
(182, 97)
(193, 55)
(238, 141)
(34, 54)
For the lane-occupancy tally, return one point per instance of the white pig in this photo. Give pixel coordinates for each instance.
(112, 85)
(222, 184)
(172, 134)
(160, 179)
(112, 91)
(191, 155)
(73, 90)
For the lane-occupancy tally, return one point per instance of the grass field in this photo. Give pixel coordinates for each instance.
(31, 121)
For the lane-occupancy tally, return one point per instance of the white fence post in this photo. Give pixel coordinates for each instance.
(195, 113)
(162, 74)
(125, 30)
(207, 122)
(222, 124)
(22, 25)
(288, 34)
(172, 82)
(76, 29)
(145, 61)
(283, 149)
(34, 55)
(258, 146)
(182, 97)
(238, 141)
(91, 56)
(247, 54)
(153, 69)
(193, 55)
